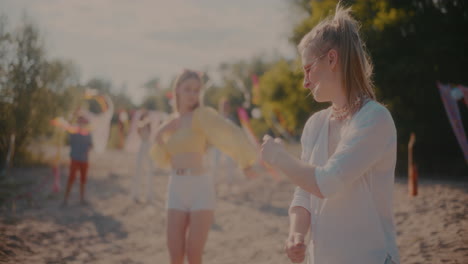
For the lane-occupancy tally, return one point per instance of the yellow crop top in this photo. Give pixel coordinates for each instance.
(207, 127)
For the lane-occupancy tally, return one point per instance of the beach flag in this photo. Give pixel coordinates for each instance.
(465, 93)
(255, 89)
(451, 107)
(245, 123)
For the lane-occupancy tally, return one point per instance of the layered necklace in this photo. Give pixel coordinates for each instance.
(346, 111)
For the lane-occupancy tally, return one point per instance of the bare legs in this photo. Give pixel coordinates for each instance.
(187, 233)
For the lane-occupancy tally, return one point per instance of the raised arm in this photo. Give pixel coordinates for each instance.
(225, 135)
(366, 140)
(158, 151)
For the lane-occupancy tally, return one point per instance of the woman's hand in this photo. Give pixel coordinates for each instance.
(270, 149)
(295, 247)
(254, 171)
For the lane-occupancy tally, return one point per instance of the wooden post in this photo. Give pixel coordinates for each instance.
(412, 168)
(9, 157)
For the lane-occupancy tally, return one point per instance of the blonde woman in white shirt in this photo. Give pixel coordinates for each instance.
(346, 173)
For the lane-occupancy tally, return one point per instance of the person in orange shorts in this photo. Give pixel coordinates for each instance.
(80, 145)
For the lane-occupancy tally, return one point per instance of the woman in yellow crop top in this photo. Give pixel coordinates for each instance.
(180, 145)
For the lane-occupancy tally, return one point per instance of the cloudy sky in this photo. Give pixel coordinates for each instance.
(132, 41)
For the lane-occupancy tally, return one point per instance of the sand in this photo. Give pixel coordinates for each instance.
(250, 226)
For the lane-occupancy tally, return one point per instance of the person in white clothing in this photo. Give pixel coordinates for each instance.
(144, 163)
(346, 173)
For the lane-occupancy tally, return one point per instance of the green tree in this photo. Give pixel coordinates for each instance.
(157, 96)
(236, 86)
(413, 44)
(31, 87)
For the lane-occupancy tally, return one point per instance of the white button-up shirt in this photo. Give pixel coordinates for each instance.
(353, 224)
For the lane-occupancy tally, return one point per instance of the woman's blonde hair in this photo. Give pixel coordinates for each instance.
(341, 32)
(184, 76)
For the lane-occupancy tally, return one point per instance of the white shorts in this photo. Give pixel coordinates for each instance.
(191, 192)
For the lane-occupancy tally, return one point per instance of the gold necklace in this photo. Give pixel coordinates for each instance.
(344, 112)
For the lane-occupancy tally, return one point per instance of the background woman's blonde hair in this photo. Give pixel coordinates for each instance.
(184, 76)
(341, 32)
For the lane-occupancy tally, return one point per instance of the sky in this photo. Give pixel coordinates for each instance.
(132, 41)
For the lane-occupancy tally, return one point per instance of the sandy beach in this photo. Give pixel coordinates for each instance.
(250, 226)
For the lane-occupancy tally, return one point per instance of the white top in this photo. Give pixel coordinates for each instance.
(354, 222)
